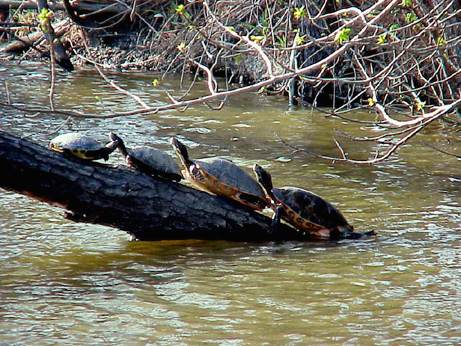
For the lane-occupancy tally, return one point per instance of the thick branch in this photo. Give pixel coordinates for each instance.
(147, 208)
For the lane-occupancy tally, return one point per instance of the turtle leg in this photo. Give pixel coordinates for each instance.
(276, 218)
(196, 174)
(67, 152)
(168, 176)
(107, 150)
(172, 176)
(73, 154)
(252, 201)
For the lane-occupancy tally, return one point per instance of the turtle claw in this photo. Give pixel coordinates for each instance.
(274, 227)
(275, 224)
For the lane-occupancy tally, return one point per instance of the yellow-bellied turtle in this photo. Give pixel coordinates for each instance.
(82, 146)
(150, 161)
(221, 177)
(304, 210)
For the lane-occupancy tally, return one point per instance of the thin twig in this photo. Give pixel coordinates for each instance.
(53, 77)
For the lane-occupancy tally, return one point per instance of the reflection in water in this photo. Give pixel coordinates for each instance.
(80, 283)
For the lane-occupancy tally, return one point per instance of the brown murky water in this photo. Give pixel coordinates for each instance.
(63, 282)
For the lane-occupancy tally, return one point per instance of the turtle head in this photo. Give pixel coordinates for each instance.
(264, 179)
(181, 151)
(119, 143)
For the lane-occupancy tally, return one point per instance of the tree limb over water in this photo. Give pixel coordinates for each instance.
(399, 60)
(145, 207)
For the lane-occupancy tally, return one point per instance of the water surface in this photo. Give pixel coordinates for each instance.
(63, 282)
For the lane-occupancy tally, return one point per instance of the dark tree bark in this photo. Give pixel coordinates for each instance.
(147, 208)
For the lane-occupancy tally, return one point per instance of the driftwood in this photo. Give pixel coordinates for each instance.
(145, 207)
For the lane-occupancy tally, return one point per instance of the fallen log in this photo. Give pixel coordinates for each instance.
(145, 207)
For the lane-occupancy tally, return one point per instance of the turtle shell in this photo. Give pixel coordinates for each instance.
(75, 141)
(153, 161)
(228, 173)
(225, 178)
(311, 207)
(81, 146)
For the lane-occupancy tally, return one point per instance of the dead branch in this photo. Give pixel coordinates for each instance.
(397, 58)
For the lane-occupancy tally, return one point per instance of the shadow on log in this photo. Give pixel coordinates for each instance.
(147, 208)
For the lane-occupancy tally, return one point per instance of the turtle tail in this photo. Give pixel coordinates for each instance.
(358, 235)
(347, 232)
(181, 151)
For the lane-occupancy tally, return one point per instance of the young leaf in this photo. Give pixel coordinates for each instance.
(181, 47)
(257, 38)
(420, 105)
(406, 3)
(299, 40)
(441, 42)
(382, 39)
(343, 35)
(410, 17)
(299, 12)
(180, 9)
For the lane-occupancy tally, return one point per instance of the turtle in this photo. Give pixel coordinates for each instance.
(303, 209)
(149, 160)
(221, 177)
(82, 146)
